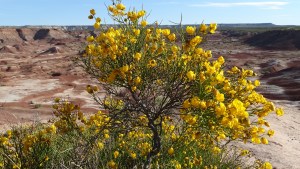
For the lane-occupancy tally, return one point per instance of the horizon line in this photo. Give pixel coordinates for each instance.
(53, 25)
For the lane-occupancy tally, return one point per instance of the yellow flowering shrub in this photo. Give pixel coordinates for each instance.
(26, 147)
(169, 104)
(160, 77)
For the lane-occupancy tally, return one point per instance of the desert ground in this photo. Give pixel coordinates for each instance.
(36, 66)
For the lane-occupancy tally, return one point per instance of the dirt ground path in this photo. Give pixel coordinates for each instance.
(283, 150)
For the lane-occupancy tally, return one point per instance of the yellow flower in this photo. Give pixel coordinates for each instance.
(209, 69)
(158, 31)
(172, 37)
(4, 140)
(124, 69)
(195, 101)
(171, 151)
(190, 30)
(212, 28)
(202, 76)
(137, 32)
(137, 80)
(279, 112)
(222, 136)
(220, 97)
(186, 104)
(51, 129)
(116, 154)
(203, 105)
(100, 145)
(46, 158)
(111, 164)
(186, 58)
(266, 165)
(111, 8)
(133, 16)
(137, 56)
(216, 150)
(144, 23)
(221, 60)
(191, 120)
(106, 136)
(256, 140)
(271, 133)
(195, 41)
(133, 88)
(92, 12)
(264, 140)
(166, 32)
(220, 77)
(203, 28)
(141, 13)
(97, 25)
(152, 63)
(133, 155)
(90, 38)
(177, 166)
(244, 152)
(9, 133)
(98, 19)
(256, 83)
(111, 78)
(221, 109)
(191, 75)
(120, 6)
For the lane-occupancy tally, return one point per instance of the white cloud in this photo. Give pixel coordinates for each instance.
(267, 4)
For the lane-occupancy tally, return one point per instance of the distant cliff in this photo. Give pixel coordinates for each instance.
(89, 27)
(276, 40)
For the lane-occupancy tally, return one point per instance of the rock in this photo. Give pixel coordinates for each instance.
(276, 40)
(272, 66)
(18, 47)
(9, 36)
(55, 74)
(288, 80)
(50, 34)
(26, 34)
(53, 50)
(7, 49)
(41, 34)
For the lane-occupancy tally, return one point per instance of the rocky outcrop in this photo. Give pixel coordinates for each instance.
(276, 40)
(287, 80)
(9, 36)
(26, 34)
(49, 34)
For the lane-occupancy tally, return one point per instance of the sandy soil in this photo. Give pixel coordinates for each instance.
(36, 69)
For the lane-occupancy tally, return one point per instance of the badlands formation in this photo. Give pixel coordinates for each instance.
(36, 66)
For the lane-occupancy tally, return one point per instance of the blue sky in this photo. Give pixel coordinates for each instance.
(75, 12)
